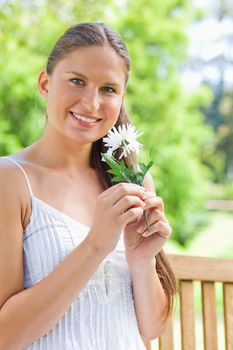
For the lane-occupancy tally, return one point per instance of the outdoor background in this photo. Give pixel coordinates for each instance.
(180, 95)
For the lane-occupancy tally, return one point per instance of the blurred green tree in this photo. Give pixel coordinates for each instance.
(214, 65)
(27, 33)
(169, 116)
(225, 133)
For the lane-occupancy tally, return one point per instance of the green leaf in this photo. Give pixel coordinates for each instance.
(122, 173)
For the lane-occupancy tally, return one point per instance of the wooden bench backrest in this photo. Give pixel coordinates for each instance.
(207, 271)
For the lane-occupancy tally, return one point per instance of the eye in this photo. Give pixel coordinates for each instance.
(109, 89)
(77, 81)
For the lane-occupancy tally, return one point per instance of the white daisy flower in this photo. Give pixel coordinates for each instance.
(124, 138)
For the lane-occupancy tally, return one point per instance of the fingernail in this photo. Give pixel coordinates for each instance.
(140, 229)
(145, 234)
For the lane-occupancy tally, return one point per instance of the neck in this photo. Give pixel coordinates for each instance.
(61, 152)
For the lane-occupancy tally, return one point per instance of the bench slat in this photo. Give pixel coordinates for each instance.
(187, 315)
(147, 344)
(189, 269)
(166, 340)
(209, 316)
(228, 314)
(202, 268)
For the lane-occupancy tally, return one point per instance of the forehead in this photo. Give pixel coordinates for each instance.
(94, 61)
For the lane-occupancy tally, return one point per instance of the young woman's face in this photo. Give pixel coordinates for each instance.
(84, 93)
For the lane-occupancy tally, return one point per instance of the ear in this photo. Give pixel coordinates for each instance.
(43, 84)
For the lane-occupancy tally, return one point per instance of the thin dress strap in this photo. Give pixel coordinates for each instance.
(25, 175)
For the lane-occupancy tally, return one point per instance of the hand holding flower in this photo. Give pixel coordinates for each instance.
(143, 244)
(125, 139)
(145, 236)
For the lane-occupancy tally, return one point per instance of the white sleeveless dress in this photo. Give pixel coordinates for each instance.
(102, 316)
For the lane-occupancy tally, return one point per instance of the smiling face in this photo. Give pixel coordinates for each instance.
(84, 93)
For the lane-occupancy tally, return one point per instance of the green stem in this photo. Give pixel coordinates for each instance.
(144, 212)
(146, 219)
(131, 160)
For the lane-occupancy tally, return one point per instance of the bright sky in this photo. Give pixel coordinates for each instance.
(210, 40)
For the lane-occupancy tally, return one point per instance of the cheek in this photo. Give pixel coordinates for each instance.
(61, 97)
(114, 107)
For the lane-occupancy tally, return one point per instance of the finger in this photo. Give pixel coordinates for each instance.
(158, 215)
(131, 214)
(163, 229)
(153, 217)
(113, 194)
(150, 194)
(127, 202)
(154, 202)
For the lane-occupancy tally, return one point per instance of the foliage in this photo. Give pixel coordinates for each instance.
(122, 173)
(27, 33)
(225, 133)
(168, 116)
(214, 64)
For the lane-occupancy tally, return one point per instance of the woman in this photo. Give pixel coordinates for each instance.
(75, 271)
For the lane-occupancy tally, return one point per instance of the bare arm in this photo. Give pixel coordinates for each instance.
(26, 315)
(149, 297)
(31, 313)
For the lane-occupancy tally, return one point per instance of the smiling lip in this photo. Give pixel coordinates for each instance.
(84, 119)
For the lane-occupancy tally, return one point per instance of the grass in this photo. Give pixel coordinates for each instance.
(214, 241)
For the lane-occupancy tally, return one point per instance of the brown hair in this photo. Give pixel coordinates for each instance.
(98, 34)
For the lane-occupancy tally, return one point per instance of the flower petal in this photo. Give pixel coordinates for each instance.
(125, 138)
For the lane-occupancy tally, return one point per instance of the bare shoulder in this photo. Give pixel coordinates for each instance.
(11, 231)
(8, 179)
(13, 186)
(6, 166)
(149, 182)
(11, 178)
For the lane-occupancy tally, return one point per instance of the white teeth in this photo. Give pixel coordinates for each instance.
(89, 120)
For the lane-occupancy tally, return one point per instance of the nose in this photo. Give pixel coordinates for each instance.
(91, 100)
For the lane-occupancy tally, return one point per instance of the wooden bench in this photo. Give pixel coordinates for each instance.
(207, 271)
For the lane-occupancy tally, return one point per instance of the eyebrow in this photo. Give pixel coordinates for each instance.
(84, 77)
(77, 73)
